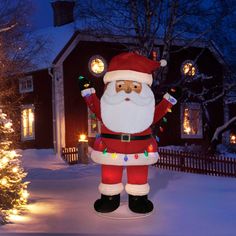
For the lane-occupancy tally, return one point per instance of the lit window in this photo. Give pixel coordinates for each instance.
(233, 138)
(27, 122)
(26, 85)
(189, 69)
(94, 125)
(97, 65)
(191, 120)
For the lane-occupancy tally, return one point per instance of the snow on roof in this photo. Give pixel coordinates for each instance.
(55, 40)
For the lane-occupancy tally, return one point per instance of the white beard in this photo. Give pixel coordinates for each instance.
(132, 116)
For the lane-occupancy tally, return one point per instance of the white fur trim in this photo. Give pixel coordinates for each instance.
(110, 189)
(118, 159)
(137, 189)
(163, 62)
(87, 92)
(128, 75)
(170, 99)
(127, 117)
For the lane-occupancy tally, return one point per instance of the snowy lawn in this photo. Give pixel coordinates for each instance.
(62, 200)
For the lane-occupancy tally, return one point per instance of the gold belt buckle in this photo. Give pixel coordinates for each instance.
(125, 138)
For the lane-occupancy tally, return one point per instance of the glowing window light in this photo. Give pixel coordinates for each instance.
(189, 69)
(27, 122)
(233, 138)
(97, 65)
(191, 120)
(186, 123)
(94, 125)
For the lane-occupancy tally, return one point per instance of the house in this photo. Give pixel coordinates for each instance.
(53, 113)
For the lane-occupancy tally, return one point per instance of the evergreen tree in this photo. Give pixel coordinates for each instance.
(13, 190)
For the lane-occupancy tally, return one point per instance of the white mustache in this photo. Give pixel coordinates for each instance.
(121, 96)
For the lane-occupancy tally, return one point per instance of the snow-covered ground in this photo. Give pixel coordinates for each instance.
(62, 199)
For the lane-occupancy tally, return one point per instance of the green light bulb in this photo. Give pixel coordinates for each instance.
(145, 153)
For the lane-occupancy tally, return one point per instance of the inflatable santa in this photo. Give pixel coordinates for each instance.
(127, 110)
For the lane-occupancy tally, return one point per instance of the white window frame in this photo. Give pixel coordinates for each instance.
(28, 137)
(92, 134)
(191, 105)
(26, 89)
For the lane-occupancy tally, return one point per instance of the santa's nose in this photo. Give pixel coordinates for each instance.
(128, 89)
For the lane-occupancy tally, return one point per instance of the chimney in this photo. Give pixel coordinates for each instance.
(63, 11)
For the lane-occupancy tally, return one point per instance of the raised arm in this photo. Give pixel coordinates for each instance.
(162, 108)
(92, 101)
(89, 95)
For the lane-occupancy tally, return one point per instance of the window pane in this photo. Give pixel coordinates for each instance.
(26, 85)
(93, 124)
(191, 120)
(97, 65)
(27, 123)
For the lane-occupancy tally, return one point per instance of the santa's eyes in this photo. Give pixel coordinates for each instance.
(136, 85)
(128, 86)
(120, 83)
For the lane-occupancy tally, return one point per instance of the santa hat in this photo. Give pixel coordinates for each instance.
(132, 66)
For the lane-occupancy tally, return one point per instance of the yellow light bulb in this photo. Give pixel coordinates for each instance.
(25, 194)
(8, 125)
(5, 160)
(14, 169)
(113, 155)
(13, 154)
(3, 181)
(14, 211)
(83, 138)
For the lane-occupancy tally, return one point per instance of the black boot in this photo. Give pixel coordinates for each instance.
(140, 204)
(107, 203)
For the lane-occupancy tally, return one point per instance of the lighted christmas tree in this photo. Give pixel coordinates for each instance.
(13, 190)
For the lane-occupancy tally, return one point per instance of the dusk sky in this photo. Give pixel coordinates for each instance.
(43, 15)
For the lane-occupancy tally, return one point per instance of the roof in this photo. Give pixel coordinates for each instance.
(56, 38)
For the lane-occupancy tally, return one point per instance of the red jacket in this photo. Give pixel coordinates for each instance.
(135, 152)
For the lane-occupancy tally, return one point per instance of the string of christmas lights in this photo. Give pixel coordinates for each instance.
(13, 194)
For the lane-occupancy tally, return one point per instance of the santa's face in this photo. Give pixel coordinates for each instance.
(127, 106)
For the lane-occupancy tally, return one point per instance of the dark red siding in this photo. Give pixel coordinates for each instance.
(41, 97)
(76, 111)
(77, 64)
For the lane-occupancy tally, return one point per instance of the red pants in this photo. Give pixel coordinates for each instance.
(135, 174)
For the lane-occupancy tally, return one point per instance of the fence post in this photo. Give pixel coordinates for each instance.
(182, 161)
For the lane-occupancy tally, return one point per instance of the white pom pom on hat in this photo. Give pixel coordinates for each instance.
(131, 66)
(163, 62)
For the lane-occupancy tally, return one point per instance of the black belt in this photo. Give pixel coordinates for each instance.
(126, 137)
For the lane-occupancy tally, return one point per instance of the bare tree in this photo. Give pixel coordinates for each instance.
(18, 47)
(149, 20)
